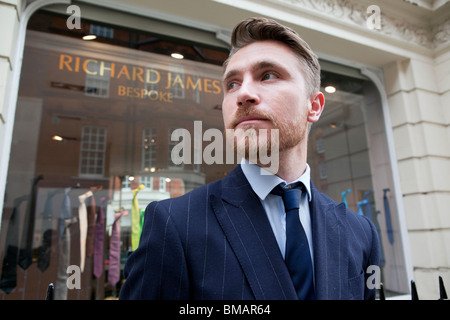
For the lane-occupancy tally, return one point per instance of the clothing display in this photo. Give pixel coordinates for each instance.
(135, 219)
(91, 213)
(99, 238)
(387, 215)
(114, 249)
(83, 222)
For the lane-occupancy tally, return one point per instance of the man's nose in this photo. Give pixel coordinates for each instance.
(248, 94)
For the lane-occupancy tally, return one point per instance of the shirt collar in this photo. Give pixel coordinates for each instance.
(262, 181)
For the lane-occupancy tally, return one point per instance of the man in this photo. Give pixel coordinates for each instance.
(231, 239)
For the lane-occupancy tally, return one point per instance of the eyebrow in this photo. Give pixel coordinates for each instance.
(264, 64)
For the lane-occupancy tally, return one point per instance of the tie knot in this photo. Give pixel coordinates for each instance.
(290, 195)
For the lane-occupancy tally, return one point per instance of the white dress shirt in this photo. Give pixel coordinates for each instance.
(263, 184)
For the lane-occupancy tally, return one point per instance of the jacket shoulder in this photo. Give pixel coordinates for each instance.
(352, 217)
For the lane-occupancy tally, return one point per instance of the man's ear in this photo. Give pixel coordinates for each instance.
(316, 104)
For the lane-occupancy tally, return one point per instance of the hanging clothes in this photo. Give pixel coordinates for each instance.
(99, 238)
(83, 222)
(135, 219)
(344, 196)
(91, 212)
(114, 249)
(387, 216)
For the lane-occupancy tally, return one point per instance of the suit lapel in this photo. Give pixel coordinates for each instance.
(330, 247)
(250, 235)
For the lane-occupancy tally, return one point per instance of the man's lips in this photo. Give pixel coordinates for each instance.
(247, 120)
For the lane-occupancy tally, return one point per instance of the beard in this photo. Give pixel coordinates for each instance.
(254, 143)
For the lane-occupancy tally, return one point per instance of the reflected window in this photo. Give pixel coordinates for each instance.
(92, 153)
(176, 81)
(101, 31)
(162, 184)
(147, 182)
(96, 86)
(148, 149)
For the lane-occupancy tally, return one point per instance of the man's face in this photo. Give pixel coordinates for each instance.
(264, 88)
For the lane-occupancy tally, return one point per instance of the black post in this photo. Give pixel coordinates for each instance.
(414, 295)
(442, 292)
(50, 292)
(381, 292)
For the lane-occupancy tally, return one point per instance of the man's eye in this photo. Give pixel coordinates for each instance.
(231, 85)
(269, 76)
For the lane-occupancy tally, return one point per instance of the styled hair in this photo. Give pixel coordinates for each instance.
(260, 29)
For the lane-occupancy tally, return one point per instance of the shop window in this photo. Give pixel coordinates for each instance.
(97, 125)
(347, 152)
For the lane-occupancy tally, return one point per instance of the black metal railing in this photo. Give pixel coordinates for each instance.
(414, 294)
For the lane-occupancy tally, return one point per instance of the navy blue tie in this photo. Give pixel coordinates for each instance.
(297, 256)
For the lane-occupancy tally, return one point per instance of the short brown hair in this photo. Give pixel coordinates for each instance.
(260, 29)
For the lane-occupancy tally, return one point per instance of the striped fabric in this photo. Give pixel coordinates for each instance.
(216, 243)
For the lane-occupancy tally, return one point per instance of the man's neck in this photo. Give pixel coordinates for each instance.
(291, 164)
(291, 167)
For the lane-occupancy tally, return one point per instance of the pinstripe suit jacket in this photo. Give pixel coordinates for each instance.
(216, 243)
